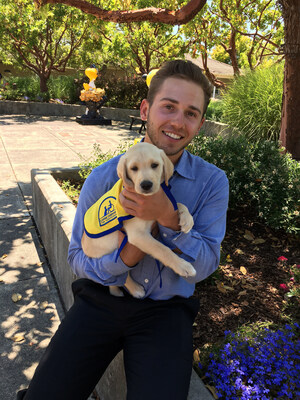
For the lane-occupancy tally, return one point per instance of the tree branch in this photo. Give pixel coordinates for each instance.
(151, 14)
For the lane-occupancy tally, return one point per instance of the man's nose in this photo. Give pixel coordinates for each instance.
(178, 120)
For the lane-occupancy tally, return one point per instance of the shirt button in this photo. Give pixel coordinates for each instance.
(165, 235)
(146, 280)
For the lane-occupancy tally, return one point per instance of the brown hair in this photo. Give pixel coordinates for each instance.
(182, 70)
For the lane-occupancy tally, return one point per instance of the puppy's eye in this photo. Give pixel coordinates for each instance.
(134, 168)
(154, 165)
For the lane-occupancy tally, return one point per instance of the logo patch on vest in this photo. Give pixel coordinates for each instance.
(107, 211)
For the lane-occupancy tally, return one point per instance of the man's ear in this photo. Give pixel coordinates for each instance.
(168, 167)
(122, 171)
(144, 108)
(201, 123)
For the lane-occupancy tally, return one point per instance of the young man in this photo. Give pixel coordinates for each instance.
(155, 333)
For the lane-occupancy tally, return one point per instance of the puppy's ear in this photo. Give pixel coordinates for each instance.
(168, 167)
(122, 171)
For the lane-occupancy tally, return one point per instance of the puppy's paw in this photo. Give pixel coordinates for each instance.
(185, 269)
(138, 292)
(135, 289)
(186, 221)
(116, 291)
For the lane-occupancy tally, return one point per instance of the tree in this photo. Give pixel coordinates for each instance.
(143, 46)
(259, 21)
(225, 25)
(41, 41)
(242, 47)
(290, 130)
(290, 121)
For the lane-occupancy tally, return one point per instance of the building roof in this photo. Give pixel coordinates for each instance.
(218, 68)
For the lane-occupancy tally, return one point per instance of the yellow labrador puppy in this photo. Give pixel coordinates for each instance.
(143, 167)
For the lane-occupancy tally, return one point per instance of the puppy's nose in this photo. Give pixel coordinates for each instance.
(146, 185)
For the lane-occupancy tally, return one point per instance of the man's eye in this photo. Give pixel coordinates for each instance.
(134, 168)
(154, 165)
(191, 114)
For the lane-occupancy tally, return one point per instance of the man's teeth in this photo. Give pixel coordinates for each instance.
(172, 135)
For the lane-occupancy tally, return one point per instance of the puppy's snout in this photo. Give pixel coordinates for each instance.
(146, 185)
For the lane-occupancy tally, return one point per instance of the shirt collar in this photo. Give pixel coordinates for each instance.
(184, 168)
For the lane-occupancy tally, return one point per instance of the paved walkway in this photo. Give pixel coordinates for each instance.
(30, 308)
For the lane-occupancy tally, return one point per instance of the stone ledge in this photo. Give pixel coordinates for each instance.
(62, 110)
(8, 107)
(54, 214)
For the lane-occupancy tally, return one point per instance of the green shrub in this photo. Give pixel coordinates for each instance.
(252, 103)
(21, 88)
(28, 88)
(215, 110)
(123, 93)
(260, 176)
(98, 157)
(63, 88)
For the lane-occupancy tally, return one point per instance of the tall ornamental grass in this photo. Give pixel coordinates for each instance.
(215, 110)
(252, 104)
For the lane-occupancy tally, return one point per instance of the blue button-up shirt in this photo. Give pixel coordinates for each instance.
(200, 186)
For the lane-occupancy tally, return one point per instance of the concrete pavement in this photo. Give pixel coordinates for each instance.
(30, 306)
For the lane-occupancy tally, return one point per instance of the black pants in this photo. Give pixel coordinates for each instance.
(156, 337)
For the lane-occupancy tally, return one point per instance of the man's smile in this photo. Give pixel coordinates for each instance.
(172, 135)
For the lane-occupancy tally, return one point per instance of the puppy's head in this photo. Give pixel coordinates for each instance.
(144, 167)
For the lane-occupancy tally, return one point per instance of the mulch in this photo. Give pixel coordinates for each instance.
(246, 287)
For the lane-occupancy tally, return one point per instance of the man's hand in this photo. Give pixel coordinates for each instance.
(130, 254)
(156, 207)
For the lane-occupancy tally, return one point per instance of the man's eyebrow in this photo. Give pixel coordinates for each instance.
(177, 102)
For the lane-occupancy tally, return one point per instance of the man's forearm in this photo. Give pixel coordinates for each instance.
(170, 219)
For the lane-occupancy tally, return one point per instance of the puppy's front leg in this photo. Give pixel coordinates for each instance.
(186, 221)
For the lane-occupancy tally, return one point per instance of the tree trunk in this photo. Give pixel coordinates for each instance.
(232, 53)
(43, 84)
(44, 92)
(290, 114)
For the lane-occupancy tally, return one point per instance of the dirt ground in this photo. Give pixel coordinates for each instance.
(246, 288)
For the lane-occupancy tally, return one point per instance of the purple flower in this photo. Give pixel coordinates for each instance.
(267, 369)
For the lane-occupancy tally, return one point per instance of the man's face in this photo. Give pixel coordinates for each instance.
(175, 116)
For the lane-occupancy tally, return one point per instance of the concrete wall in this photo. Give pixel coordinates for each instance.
(54, 214)
(61, 110)
(72, 110)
